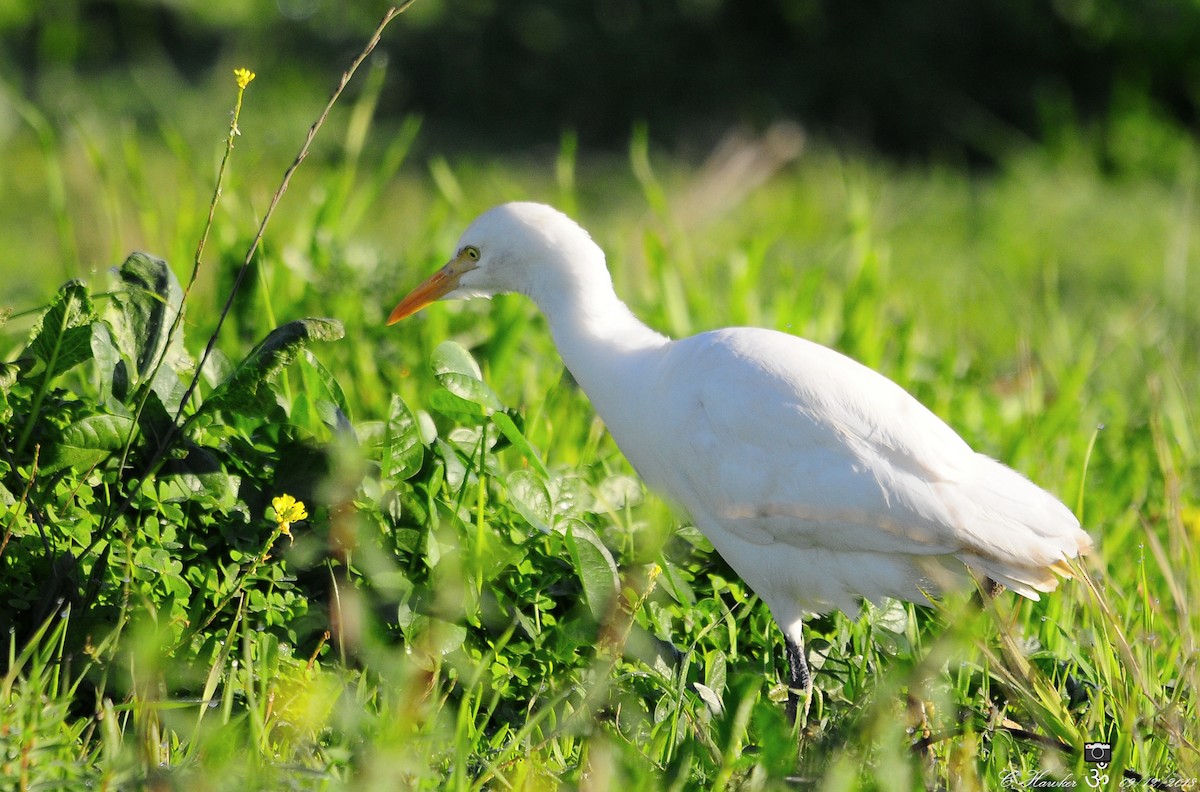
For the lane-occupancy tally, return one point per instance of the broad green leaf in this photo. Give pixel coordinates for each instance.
(512, 433)
(889, 625)
(304, 412)
(144, 306)
(8, 375)
(155, 424)
(333, 416)
(710, 697)
(88, 442)
(168, 387)
(248, 389)
(110, 365)
(531, 498)
(467, 440)
(328, 381)
(675, 583)
(455, 469)
(692, 535)
(572, 495)
(403, 452)
(217, 368)
(617, 492)
(458, 373)
(452, 357)
(595, 566)
(472, 390)
(892, 617)
(437, 636)
(715, 671)
(457, 408)
(199, 476)
(62, 337)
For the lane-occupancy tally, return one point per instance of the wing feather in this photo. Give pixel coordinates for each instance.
(782, 441)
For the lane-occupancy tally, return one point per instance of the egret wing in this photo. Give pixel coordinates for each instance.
(788, 441)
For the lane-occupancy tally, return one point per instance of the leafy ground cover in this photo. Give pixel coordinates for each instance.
(475, 591)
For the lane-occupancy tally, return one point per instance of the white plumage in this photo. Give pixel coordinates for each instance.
(817, 479)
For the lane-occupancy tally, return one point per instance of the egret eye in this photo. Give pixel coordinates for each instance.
(471, 252)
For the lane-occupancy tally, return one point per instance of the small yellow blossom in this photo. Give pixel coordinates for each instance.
(287, 510)
(243, 77)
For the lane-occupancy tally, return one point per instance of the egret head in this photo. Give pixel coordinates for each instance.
(515, 247)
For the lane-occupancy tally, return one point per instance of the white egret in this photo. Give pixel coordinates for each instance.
(818, 480)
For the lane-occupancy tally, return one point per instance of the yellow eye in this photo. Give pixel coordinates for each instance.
(471, 252)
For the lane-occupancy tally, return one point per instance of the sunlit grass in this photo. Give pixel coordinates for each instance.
(450, 636)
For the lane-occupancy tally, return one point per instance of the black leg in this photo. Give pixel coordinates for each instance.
(800, 680)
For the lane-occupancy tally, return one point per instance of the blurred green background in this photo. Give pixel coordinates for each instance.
(907, 76)
(104, 106)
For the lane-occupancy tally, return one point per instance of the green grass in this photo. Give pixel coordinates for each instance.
(482, 595)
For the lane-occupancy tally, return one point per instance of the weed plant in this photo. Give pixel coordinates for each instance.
(326, 555)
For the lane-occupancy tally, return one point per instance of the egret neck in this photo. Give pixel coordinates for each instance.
(607, 349)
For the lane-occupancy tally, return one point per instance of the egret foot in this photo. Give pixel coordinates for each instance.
(799, 682)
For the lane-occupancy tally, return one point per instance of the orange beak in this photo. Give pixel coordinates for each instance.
(434, 288)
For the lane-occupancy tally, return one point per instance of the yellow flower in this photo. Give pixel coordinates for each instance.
(287, 510)
(243, 77)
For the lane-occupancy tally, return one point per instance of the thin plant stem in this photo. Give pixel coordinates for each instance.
(237, 588)
(243, 79)
(287, 178)
(177, 427)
